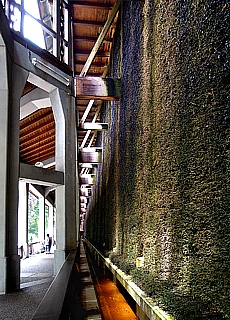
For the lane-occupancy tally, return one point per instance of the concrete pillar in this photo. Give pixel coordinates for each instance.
(41, 221)
(50, 229)
(77, 204)
(13, 80)
(54, 227)
(23, 218)
(3, 160)
(51, 221)
(63, 105)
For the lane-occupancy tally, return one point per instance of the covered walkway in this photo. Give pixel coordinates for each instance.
(36, 277)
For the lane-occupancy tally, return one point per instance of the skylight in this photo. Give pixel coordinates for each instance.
(27, 22)
(43, 22)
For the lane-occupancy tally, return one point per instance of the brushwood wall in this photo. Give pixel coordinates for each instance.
(164, 189)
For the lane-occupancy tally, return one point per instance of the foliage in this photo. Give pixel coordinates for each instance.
(33, 216)
(164, 188)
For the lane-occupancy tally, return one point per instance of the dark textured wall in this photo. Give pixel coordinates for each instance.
(164, 189)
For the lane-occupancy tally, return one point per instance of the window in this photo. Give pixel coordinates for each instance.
(34, 19)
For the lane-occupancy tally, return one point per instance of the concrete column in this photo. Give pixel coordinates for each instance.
(63, 105)
(51, 224)
(4, 95)
(23, 218)
(51, 221)
(13, 80)
(77, 205)
(54, 226)
(41, 221)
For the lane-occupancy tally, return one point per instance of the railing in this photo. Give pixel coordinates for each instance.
(45, 23)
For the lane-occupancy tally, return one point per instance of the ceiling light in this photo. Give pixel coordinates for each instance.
(39, 164)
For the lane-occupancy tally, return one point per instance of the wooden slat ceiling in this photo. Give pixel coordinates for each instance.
(89, 17)
(37, 131)
(37, 136)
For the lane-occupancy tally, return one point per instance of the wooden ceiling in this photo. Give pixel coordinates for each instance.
(37, 131)
(89, 18)
(37, 136)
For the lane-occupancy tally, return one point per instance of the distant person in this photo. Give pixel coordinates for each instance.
(48, 243)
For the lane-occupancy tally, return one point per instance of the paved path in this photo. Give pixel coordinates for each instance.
(36, 277)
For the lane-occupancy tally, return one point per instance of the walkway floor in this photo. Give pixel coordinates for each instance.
(36, 277)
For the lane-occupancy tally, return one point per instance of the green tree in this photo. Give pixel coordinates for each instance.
(33, 216)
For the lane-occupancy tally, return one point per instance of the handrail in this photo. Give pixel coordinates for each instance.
(50, 307)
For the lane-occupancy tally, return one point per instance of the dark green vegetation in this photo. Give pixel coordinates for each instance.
(33, 217)
(165, 188)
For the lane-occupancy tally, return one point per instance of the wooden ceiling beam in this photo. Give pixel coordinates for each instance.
(82, 108)
(91, 113)
(36, 133)
(89, 118)
(100, 38)
(102, 54)
(93, 5)
(84, 103)
(41, 150)
(34, 140)
(38, 123)
(36, 145)
(90, 39)
(34, 118)
(45, 154)
(94, 64)
(92, 74)
(88, 23)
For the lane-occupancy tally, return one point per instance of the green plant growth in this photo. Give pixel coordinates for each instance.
(164, 187)
(33, 216)
(46, 217)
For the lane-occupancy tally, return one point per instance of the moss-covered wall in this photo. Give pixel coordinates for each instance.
(164, 188)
